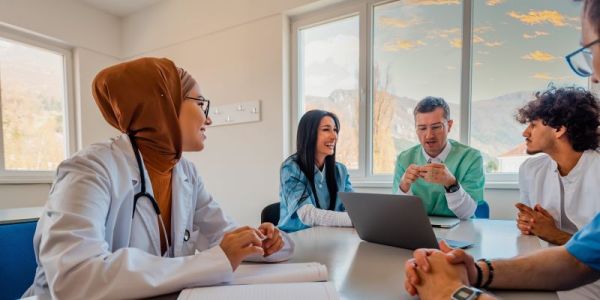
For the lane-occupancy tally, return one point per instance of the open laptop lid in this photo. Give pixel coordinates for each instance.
(394, 220)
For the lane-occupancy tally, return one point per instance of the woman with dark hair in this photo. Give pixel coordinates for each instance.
(311, 178)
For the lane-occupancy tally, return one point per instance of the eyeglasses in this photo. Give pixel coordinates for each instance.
(580, 60)
(203, 102)
(437, 127)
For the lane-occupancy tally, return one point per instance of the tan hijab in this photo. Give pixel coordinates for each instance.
(143, 97)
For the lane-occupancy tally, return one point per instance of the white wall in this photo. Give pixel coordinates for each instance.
(236, 53)
(94, 39)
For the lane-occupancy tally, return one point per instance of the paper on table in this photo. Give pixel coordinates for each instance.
(279, 273)
(275, 291)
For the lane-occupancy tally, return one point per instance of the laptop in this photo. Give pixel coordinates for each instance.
(443, 222)
(393, 220)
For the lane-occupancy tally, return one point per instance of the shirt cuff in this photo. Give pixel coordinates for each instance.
(461, 204)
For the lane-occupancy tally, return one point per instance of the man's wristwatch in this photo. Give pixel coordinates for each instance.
(453, 188)
(466, 293)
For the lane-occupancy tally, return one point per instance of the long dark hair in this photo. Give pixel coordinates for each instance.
(306, 142)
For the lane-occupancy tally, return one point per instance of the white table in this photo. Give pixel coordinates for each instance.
(20, 215)
(363, 270)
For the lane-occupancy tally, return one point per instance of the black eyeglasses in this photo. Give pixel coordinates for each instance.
(203, 102)
(581, 60)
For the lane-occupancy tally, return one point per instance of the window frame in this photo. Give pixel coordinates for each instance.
(31, 40)
(364, 176)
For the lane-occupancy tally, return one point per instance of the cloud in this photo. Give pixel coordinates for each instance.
(539, 56)
(432, 2)
(402, 45)
(477, 39)
(546, 76)
(443, 33)
(494, 2)
(393, 22)
(482, 29)
(539, 17)
(494, 44)
(456, 43)
(535, 34)
(322, 51)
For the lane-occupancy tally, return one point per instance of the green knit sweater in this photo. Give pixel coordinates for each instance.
(464, 162)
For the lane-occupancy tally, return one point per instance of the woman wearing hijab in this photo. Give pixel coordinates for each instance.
(311, 178)
(131, 218)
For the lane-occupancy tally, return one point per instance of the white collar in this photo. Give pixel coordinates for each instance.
(322, 173)
(579, 166)
(441, 157)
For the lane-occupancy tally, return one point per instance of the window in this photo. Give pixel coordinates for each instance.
(33, 98)
(414, 49)
(416, 53)
(328, 80)
(518, 49)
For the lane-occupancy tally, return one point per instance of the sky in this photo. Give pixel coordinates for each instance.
(519, 45)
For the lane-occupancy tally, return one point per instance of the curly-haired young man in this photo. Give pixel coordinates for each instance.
(559, 190)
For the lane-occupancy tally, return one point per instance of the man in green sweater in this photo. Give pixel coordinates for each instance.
(447, 175)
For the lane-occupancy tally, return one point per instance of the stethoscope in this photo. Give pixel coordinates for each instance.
(143, 193)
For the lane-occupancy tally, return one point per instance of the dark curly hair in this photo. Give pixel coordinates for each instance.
(574, 108)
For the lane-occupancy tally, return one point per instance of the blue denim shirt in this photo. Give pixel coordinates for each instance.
(295, 191)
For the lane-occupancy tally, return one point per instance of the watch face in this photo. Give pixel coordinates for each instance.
(453, 188)
(463, 293)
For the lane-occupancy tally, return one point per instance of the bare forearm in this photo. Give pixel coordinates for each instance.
(548, 269)
(558, 238)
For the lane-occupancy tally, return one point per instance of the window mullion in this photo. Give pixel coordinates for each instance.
(365, 148)
(466, 72)
(1, 128)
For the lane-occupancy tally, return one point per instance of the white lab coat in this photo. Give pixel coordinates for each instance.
(88, 246)
(539, 184)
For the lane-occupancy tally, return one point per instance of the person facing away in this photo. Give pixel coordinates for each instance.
(447, 175)
(311, 178)
(130, 217)
(559, 189)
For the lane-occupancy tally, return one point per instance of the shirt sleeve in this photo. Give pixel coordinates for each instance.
(524, 196)
(585, 244)
(463, 202)
(398, 173)
(294, 187)
(347, 183)
(312, 216)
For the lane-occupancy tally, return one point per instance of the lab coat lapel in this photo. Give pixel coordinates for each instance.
(181, 209)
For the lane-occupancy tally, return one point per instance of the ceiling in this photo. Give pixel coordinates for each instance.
(120, 8)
